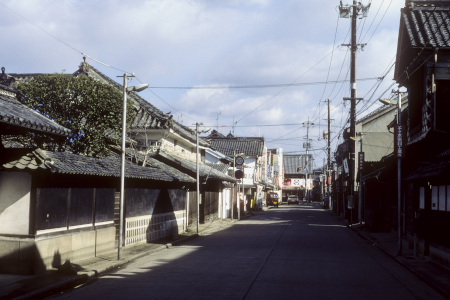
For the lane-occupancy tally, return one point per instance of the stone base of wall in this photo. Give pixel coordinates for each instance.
(440, 256)
(437, 254)
(27, 256)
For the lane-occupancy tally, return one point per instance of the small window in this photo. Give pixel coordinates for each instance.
(422, 198)
(448, 197)
(442, 198)
(434, 198)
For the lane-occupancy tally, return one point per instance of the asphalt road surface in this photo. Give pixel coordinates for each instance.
(289, 252)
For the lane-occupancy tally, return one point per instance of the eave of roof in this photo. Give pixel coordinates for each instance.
(191, 166)
(427, 26)
(223, 168)
(250, 146)
(438, 169)
(14, 115)
(69, 163)
(149, 161)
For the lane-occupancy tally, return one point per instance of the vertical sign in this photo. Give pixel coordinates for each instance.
(361, 160)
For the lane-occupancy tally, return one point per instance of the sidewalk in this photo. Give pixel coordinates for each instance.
(428, 271)
(54, 281)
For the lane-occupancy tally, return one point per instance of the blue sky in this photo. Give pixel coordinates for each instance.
(252, 67)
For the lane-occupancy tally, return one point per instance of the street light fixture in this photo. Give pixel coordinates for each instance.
(126, 89)
(398, 102)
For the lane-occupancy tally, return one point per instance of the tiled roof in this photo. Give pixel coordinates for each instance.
(152, 162)
(14, 115)
(438, 169)
(191, 166)
(427, 25)
(219, 167)
(250, 146)
(68, 163)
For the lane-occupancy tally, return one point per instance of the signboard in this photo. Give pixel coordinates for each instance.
(346, 169)
(360, 160)
(239, 160)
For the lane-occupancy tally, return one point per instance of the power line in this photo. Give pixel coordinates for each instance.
(258, 86)
(61, 40)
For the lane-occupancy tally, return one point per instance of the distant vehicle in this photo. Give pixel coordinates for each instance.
(293, 199)
(272, 199)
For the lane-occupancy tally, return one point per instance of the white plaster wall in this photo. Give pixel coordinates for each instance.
(15, 190)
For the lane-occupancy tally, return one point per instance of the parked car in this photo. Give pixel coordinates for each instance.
(293, 199)
(272, 199)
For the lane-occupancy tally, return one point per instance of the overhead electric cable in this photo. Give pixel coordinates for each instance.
(283, 89)
(258, 86)
(376, 28)
(61, 40)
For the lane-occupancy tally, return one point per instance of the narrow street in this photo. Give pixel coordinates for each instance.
(290, 252)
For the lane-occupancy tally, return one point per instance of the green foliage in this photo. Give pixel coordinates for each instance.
(91, 109)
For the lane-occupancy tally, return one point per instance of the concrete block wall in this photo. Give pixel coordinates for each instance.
(17, 256)
(33, 256)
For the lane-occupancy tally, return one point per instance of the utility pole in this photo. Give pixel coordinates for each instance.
(197, 164)
(328, 171)
(399, 172)
(353, 11)
(399, 135)
(329, 138)
(197, 173)
(307, 146)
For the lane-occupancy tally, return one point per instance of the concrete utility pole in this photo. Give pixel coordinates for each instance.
(353, 11)
(399, 172)
(399, 134)
(328, 171)
(307, 146)
(197, 173)
(329, 138)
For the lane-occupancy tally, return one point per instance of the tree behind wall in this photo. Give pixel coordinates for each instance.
(91, 109)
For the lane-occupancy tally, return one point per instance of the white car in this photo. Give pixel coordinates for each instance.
(293, 199)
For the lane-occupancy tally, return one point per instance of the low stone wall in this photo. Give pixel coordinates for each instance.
(17, 256)
(437, 254)
(440, 256)
(35, 255)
